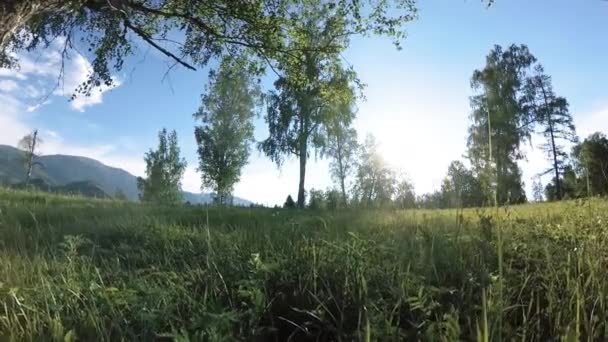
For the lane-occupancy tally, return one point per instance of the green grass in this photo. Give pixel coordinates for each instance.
(77, 269)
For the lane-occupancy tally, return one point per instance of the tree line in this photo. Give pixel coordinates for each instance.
(311, 110)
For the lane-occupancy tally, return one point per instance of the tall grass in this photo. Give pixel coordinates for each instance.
(76, 269)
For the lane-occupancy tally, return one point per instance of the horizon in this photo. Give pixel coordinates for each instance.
(417, 99)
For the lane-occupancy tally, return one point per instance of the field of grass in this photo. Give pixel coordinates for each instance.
(77, 269)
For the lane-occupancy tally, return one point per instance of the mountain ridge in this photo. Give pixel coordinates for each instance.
(62, 171)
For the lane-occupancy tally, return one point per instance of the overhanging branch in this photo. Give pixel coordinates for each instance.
(143, 35)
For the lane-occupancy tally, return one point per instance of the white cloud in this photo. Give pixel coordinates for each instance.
(32, 91)
(8, 85)
(588, 124)
(51, 133)
(76, 75)
(37, 106)
(13, 125)
(12, 73)
(33, 76)
(39, 73)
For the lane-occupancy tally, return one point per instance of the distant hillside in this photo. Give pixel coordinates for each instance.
(82, 175)
(82, 188)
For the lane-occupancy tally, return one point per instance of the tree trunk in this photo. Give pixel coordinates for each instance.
(587, 176)
(558, 187)
(371, 190)
(604, 168)
(342, 185)
(558, 183)
(30, 159)
(492, 174)
(303, 155)
(341, 167)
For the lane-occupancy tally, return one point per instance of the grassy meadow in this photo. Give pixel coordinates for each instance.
(75, 269)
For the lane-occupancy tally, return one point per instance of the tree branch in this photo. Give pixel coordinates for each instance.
(527, 124)
(150, 41)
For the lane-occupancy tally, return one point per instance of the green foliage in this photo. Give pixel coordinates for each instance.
(460, 188)
(500, 122)
(586, 175)
(405, 195)
(164, 171)
(226, 130)
(110, 31)
(342, 147)
(434, 200)
(289, 203)
(313, 92)
(571, 186)
(591, 163)
(375, 181)
(29, 144)
(316, 200)
(537, 190)
(297, 113)
(333, 199)
(551, 113)
(105, 270)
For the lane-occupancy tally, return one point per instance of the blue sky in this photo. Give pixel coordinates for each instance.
(416, 99)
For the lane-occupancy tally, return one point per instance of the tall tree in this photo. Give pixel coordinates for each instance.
(551, 112)
(164, 171)
(460, 188)
(29, 145)
(572, 186)
(500, 122)
(289, 203)
(311, 91)
(375, 181)
(537, 190)
(226, 130)
(342, 147)
(111, 30)
(591, 161)
(405, 195)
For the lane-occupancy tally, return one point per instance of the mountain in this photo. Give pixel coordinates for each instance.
(74, 174)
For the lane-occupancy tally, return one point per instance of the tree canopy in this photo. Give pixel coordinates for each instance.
(500, 123)
(29, 144)
(313, 90)
(226, 128)
(591, 161)
(164, 171)
(188, 32)
(460, 188)
(375, 180)
(552, 114)
(342, 147)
